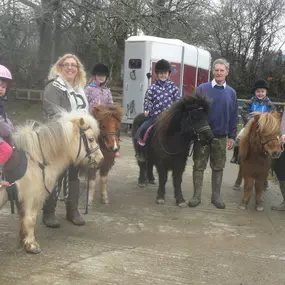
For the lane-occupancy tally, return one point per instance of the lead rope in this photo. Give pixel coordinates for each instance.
(88, 186)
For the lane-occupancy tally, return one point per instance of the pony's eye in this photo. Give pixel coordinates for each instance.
(91, 140)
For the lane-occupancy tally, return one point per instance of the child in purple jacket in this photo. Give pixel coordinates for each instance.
(158, 98)
(96, 91)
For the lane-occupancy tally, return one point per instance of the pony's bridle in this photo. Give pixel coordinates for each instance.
(268, 141)
(103, 135)
(87, 149)
(273, 138)
(85, 143)
(200, 130)
(196, 133)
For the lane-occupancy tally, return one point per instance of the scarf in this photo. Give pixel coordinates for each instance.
(75, 95)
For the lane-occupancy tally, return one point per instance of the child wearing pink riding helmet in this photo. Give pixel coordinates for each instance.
(6, 127)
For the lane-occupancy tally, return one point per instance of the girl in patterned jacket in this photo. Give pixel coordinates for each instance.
(6, 127)
(158, 98)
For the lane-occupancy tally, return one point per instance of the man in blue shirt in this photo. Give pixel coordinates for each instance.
(223, 120)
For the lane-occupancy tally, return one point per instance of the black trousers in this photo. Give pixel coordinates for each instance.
(278, 166)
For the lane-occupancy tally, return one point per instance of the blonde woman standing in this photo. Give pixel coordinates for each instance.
(65, 90)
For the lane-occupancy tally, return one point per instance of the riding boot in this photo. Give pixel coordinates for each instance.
(235, 158)
(198, 184)
(49, 217)
(217, 177)
(140, 155)
(280, 207)
(72, 213)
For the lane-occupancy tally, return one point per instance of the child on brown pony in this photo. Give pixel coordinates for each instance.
(259, 102)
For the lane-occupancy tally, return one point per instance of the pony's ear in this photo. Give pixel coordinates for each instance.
(276, 115)
(81, 122)
(256, 116)
(96, 109)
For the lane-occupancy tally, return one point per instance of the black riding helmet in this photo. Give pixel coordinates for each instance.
(101, 69)
(260, 83)
(163, 66)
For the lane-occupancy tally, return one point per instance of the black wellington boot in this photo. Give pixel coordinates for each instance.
(198, 184)
(140, 153)
(49, 217)
(217, 177)
(72, 213)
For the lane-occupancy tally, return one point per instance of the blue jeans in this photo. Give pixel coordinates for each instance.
(145, 125)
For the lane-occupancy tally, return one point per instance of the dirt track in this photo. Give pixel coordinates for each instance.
(134, 241)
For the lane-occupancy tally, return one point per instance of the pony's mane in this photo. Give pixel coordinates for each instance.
(102, 112)
(265, 124)
(72, 116)
(55, 136)
(268, 125)
(175, 113)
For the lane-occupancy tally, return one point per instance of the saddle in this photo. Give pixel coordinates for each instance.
(16, 167)
(13, 170)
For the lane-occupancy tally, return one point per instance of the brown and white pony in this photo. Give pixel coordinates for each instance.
(109, 118)
(69, 139)
(258, 145)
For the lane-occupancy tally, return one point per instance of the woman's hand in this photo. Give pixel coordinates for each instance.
(283, 138)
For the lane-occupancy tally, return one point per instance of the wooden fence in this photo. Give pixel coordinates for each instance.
(279, 105)
(37, 95)
(33, 94)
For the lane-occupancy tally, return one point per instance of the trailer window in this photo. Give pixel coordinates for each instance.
(135, 63)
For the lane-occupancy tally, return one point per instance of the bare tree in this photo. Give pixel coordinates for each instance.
(244, 32)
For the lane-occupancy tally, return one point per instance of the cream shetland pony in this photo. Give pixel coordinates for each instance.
(69, 139)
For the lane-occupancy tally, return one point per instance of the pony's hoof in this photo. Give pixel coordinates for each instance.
(160, 201)
(182, 204)
(242, 206)
(194, 202)
(259, 208)
(237, 187)
(33, 248)
(104, 201)
(152, 182)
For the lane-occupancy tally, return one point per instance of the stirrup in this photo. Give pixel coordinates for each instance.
(141, 142)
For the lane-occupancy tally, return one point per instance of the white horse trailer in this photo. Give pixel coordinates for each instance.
(190, 67)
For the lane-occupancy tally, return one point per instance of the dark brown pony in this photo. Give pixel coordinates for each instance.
(109, 118)
(258, 145)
